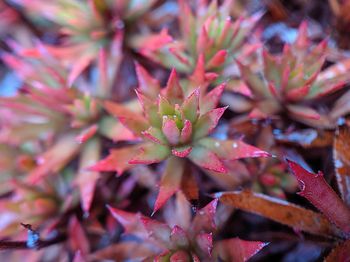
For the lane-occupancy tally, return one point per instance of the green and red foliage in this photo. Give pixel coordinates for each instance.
(166, 130)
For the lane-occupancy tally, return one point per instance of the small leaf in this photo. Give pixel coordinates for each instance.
(303, 111)
(190, 107)
(170, 182)
(217, 60)
(232, 149)
(171, 131)
(186, 132)
(182, 151)
(206, 159)
(147, 84)
(117, 160)
(211, 100)
(155, 135)
(133, 121)
(160, 232)
(173, 91)
(150, 153)
(207, 122)
(238, 250)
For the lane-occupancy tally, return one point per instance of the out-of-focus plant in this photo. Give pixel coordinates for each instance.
(174, 127)
(182, 238)
(209, 30)
(287, 82)
(60, 122)
(92, 30)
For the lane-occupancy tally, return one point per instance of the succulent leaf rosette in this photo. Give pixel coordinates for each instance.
(288, 81)
(174, 127)
(183, 237)
(208, 30)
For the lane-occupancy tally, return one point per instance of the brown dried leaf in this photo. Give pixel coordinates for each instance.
(280, 211)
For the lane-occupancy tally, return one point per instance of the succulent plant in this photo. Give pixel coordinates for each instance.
(209, 30)
(174, 127)
(182, 238)
(287, 82)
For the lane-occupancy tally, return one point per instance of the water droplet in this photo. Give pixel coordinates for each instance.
(234, 145)
(217, 144)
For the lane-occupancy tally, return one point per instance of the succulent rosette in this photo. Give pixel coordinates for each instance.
(182, 237)
(208, 30)
(176, 128)
(287, 82)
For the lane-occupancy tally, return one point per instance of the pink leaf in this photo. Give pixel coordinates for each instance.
(173, 91)
(158, 231)
(186, 132)
(150, 153)
(217, 60)
(87, 133)
(117, 160)
(170, 182)
(206, 159)
(232, 149)
(147, 84)
(303, 111)
(79, 66)
(315, 188)
(207, 122)
(182, 151)
(211, 100)
(190, 107)
(237, 250)
(170, 130)
(205, 242)
(133, 121)
(204, 221)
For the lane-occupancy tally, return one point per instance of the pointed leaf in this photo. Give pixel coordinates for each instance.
(206, 159)
(232, 149)
(190, 107)
(171, 131)
(238, 250)
(204, 221)
(217, 60)
(315, 188)
(205, 242)
(339, 253)
(303, 112)
(211, 100)
(133, 121)
(170, 182)
(173, 91)
(117, 160)
(147, 84)
(160, 232)
(186, 132)
(207, 122)
(150, 153)
(181, 151)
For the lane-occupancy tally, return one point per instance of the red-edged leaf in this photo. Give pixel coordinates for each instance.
(170, 182)
(190, 107)
(207, 122)
(147, 84)
(170, 130)
(87, 133)
(186, 132)
(55, 158)
(133, 121)
(341, 156)
(303, 111)
(206, 159)
(160, 232)
(315, 188)
(211, 100)
(280, 211)
(340, 253)
(205, 242)
(189, 185)
(298, 93)
(237, 250)
(117, 160)
(155, 135)
(150, 153)
(179, 237)
(173, 91)
(79, 66)
(232, 149)
(182, 151)
(217, 60)
(87, 179)
(131, 222)
(204, 219)
(180, 256)
(77, 237)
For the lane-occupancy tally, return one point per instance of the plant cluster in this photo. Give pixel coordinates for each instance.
(139, 130)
